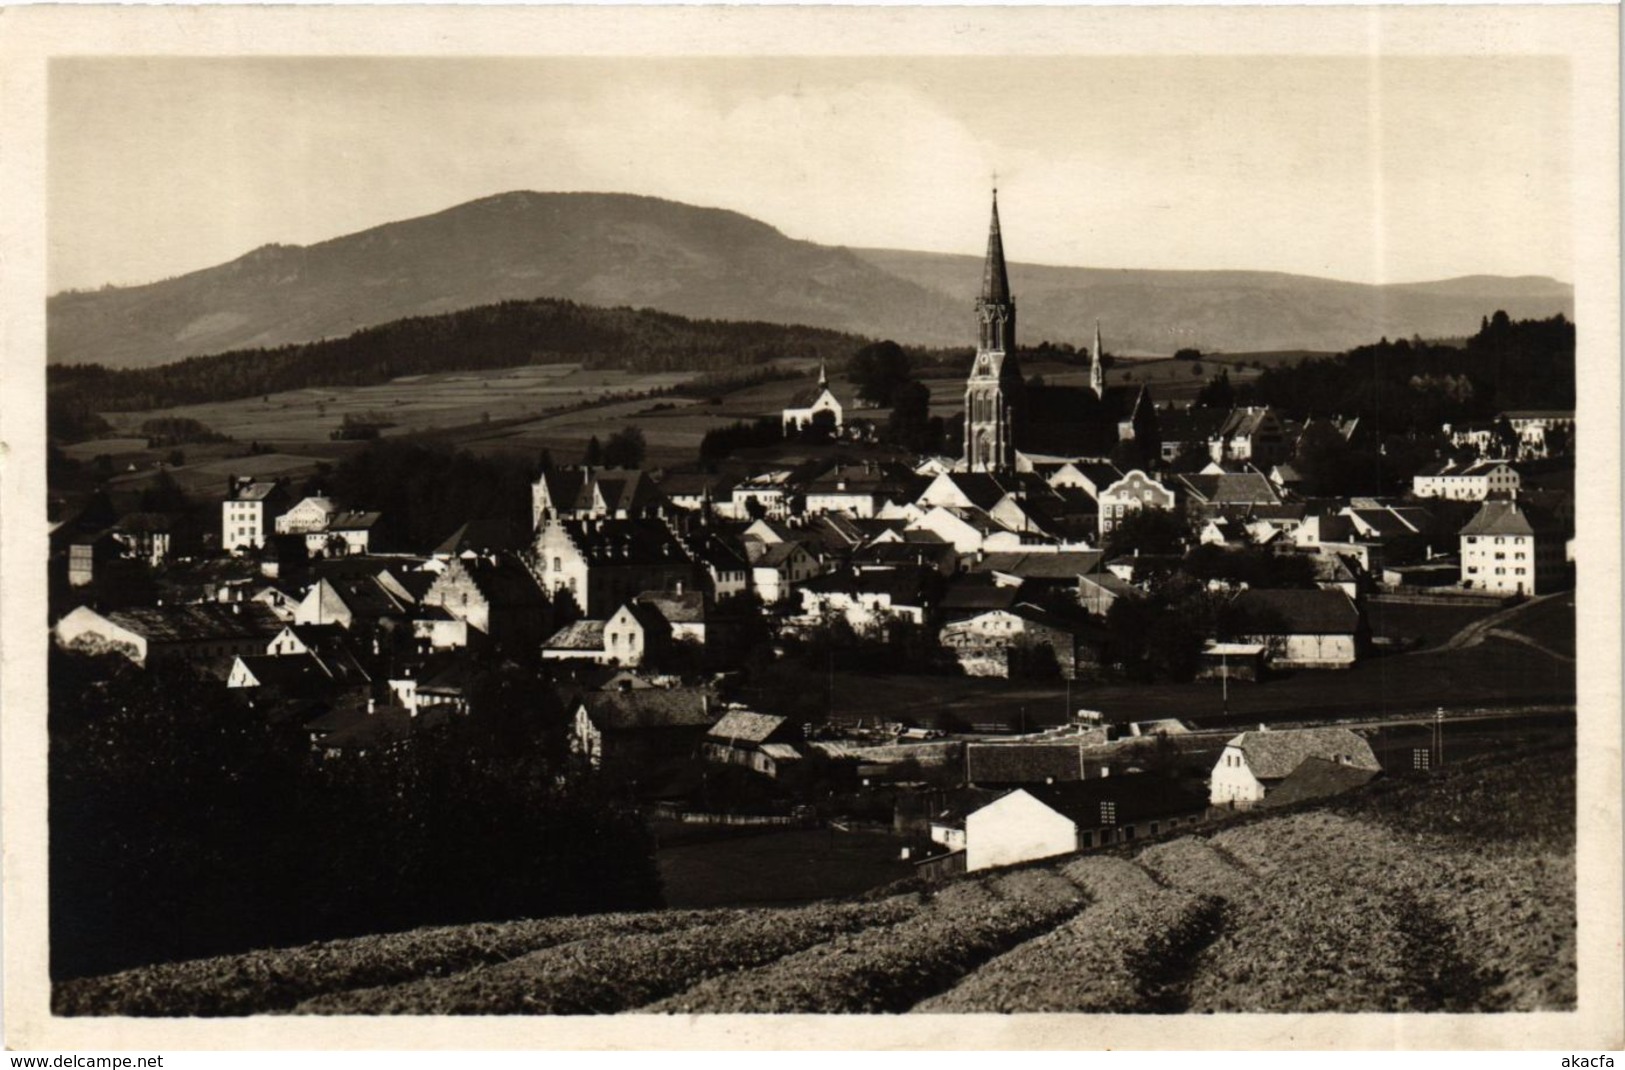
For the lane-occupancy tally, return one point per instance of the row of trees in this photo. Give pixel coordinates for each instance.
(504, 335)
(483, 818)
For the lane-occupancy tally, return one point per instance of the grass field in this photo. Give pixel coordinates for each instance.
(761, 867)
(1449, 891)
(414, 403)
(1431, 624)
(1493, 674)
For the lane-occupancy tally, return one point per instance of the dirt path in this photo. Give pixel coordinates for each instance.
(1479, 630)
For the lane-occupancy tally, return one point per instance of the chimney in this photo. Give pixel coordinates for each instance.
(372, 705)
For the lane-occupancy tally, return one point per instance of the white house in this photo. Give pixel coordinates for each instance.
(309, 514)
(1473, 482)
(248, 514)
(1250, 433)
(1304, 629)
(1135, 491)
(1254, 763)
(1507, 548)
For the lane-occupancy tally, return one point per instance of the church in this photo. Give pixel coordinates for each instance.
(1009, 424)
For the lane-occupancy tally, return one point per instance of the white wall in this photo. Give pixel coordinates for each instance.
(1232, 782)
(1016, 828)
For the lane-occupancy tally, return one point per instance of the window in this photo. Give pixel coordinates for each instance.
(558, 566)
(1108, 813)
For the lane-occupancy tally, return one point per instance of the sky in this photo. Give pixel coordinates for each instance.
(1371, 170)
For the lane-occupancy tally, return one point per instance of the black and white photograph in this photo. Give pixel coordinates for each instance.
(887, 515)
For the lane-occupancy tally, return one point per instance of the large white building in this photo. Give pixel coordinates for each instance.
(1473, 482)
(1506, 549)
(805, 407)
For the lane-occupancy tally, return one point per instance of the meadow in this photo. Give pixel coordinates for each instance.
(1446, 891)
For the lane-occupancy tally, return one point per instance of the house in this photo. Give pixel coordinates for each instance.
(1188, 432)
(1043, 821)
(634, 633)
(482, 537)
(602, 563)
(1135, 491)
(1318, 778)
(308, 515)
(165, 633)
(767, 494)
(582, 640)
(1473, 482)
(813, 406)
(1002, 765)
(762, 742)
(696, 491)
(869, 597)
(248, 515)
(1304, 629)
(1097, 591)
(1232, 661)
(1252, 434)
(146, 536)
(1539, 429)
(721, 561)
(496, 596)
(986, 643)
(358, 725)
(287, 674)
(1512, 548)
(775, 568)
(349, 532)
(1253, 764)
(593, 494)
(634, 733)
(853, 490)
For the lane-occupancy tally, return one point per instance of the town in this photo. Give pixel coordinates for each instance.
(855, 643)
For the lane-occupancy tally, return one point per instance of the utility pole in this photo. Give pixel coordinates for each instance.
(1438, 736)
(1224, 679)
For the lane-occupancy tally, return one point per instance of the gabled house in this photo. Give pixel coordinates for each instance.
(635, 633)
(497, 597)
(987, 643)
(1045, 821)
(1255, 763)
(777, 568)
(602, 563)
(181, 633)
(765, 743)
(1250, 433)
(635, 733)
(1305, 629)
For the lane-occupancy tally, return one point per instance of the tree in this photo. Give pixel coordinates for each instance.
(595, 453)
(910, 422)
(1148, 531)
(625, 448)
(877, 370)
(1217, 394)
(1188, 354)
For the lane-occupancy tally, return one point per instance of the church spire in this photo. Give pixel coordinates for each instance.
(823, 376)
(995, 282)
(1097, 369)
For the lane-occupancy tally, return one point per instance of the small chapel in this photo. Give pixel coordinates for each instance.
(1006, 419)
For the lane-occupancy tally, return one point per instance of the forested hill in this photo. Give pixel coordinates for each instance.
(504, 335)
(614, 249)
(594, 248)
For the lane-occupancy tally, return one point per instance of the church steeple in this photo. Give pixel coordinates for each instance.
(992, 394)
(823, 377)
(1097, 370)
(995, 308)
(995, 281)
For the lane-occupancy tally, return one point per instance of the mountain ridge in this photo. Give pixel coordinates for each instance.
(630, 250)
